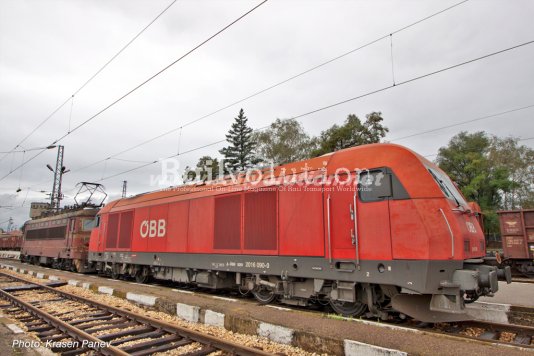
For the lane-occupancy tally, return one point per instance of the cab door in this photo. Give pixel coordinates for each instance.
(340, 215)
(71, 229)
(96, 241)
(375, 189)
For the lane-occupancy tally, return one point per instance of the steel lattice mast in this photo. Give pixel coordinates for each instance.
(55, 198)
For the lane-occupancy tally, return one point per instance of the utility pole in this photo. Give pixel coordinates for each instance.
(124, 183)
(56, 196)
(10, 225)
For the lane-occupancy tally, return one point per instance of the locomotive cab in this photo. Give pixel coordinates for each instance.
(476, 275)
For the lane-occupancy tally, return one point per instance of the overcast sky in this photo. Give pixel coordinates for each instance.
(49, 48)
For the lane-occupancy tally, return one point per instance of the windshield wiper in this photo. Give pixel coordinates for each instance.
(452, 194)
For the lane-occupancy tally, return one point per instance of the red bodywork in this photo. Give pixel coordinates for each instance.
(11, 241)
(290, 220)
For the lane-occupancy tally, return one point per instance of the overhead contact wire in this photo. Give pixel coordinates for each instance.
(355, 98)
(140, 85)
(89, 80)
(273, 86)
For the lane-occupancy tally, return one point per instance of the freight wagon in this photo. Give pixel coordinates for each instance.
(11, 241)
(517, 235)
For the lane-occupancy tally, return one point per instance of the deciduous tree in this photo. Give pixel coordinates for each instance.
(283, 142)
(467, 160)
(207, 168)
(352, 133)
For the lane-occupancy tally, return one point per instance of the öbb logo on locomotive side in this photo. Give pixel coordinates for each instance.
(153, 228)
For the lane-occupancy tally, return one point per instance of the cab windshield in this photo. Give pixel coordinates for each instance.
(88, 224)
(448, 188)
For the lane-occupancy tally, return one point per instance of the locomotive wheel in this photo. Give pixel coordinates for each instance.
(347, 308)
(264, 295)
(142, 276)
(115, 272)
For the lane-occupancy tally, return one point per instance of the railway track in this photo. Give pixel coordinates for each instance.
(523, 280)
(507, 334)
(71, 325)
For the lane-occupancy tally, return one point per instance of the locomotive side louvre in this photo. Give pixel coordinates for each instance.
(301, 234)
(402, 240)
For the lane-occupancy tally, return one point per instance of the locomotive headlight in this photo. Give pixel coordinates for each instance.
(381, 268)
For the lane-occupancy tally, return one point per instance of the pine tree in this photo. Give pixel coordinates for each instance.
(240, 154)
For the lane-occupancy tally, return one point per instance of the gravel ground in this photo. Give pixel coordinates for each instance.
(317, 328)
(6, 343)
(77, 310)
(247, 340)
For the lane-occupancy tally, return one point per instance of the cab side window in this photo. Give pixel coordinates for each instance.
(380, 184)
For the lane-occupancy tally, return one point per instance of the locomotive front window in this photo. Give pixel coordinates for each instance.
(448, 188)
(88, 224)
(440, 184)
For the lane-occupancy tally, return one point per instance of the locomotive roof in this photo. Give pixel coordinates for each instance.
(359, 157)
(68, 214)
(11, 233)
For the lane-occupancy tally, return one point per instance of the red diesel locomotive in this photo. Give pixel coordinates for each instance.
(373, 229)
(60, 240)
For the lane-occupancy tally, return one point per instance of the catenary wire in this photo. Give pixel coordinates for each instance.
(138, 86)
(71, 97)
(413, 79)
(462, 123)
(273, 86)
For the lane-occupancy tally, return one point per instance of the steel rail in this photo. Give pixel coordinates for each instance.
(62, 326)
(523, 280)
(492, 332)
(453, 331)
(207, 340)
